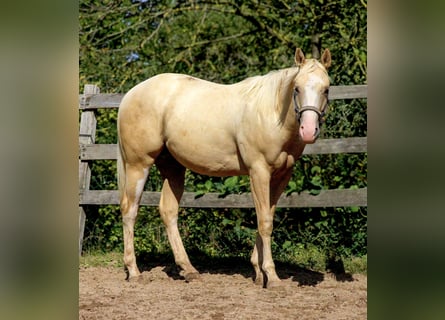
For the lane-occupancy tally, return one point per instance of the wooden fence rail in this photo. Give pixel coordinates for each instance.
(92, 99)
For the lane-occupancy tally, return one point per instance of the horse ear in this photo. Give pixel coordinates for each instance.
(326, 58)
(299, 57)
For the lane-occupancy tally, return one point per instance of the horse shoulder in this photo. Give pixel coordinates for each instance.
(272, 148)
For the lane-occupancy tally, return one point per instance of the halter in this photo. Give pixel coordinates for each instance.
(299, 111)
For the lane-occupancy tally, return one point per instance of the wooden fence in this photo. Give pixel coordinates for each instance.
(92, 100)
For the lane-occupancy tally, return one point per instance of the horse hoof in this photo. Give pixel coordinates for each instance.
(259, 281)
(274, 284)
(136, 278)
(191, 276)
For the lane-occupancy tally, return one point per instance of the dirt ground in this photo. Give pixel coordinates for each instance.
(222, 292)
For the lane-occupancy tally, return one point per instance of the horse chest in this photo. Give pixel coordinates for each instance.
(283, 160)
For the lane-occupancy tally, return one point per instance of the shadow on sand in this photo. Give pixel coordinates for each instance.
(242, 266)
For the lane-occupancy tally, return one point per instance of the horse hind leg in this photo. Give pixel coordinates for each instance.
(173, 175)
(135, 177)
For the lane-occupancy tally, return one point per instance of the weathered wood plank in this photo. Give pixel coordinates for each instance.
(112, 100)
(104, 100)
(331, 146)
(326, 198)
(322, 146)
(87, 127)
(98, 152)
(348, 92)
(87, 136)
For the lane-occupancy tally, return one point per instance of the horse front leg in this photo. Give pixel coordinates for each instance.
(262, 253)
(257, 260)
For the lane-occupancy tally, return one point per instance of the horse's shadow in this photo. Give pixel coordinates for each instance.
(234, 266)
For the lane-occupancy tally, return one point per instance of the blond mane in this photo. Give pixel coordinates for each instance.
(268, 93)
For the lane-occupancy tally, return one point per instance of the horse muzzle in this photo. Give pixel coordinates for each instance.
(309, 126)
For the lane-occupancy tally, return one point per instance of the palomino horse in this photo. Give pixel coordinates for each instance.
(258, 126)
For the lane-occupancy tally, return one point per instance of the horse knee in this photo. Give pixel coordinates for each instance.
(265, 228)
(124, 205)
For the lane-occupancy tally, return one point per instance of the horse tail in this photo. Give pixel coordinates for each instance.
(121, 172)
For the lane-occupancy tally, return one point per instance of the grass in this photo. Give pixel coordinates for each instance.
(101, 259)
(315, 259)
(357, 265)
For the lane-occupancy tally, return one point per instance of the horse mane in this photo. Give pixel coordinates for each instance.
(268, 92)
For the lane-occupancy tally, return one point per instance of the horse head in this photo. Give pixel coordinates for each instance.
(310, 94)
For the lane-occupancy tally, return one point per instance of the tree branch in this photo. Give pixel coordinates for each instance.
(205, 42)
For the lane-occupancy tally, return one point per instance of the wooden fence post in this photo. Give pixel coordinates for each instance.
(87, 135)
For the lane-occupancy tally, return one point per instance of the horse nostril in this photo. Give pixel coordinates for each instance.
(317, 132)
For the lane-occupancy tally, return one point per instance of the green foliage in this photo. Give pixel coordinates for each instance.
(124, 42)
(231, 185)
(103, 229)
(221, 233)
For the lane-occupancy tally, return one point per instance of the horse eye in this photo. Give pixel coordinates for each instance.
(297, 91)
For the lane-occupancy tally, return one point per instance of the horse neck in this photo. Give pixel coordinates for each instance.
(284, 104)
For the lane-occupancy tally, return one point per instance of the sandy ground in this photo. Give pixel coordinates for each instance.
(222, 292)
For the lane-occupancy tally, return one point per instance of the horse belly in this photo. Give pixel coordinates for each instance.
(214, 158)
